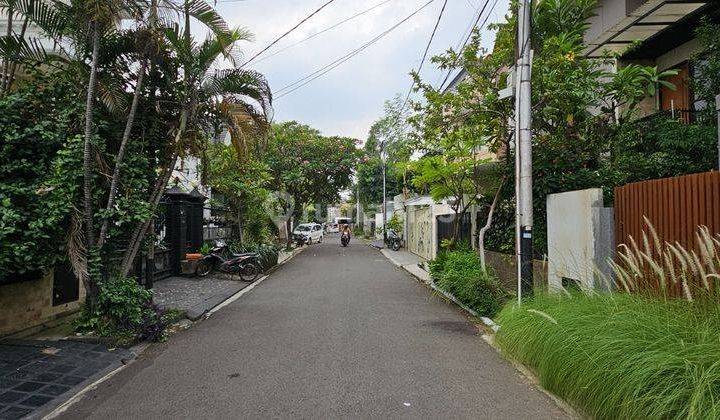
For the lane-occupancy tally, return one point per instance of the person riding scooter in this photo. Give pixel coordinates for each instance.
(345, 235)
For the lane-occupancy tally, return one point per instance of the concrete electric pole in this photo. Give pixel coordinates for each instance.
(523, 154)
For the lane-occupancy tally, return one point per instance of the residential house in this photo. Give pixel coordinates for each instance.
(654, 32)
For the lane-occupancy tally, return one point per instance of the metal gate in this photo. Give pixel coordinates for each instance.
(445, 228)
(419, 233)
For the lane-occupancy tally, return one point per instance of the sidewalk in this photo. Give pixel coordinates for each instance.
(196, 296)
(37, 376)
(410, 262)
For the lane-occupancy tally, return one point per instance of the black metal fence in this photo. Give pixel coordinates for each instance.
(445, 228)
(219, 224)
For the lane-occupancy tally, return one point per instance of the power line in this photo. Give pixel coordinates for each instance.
(288, 32)
(467, 39)
(424, 56)
(356, 15)
(286, 90)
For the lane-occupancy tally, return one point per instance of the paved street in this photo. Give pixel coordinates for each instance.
(335, 333)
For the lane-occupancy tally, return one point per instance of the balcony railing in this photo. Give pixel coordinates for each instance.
(686, 116)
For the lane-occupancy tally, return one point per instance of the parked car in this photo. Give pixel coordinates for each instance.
(311, 232)
(332, 228)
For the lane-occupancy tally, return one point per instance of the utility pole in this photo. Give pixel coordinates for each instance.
(383, 158)
(717, 111)
(359, 220)
(523, 154)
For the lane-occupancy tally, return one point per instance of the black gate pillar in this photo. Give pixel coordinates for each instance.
(196, 202)
(177, 211)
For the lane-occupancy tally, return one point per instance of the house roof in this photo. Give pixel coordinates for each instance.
(423, 200)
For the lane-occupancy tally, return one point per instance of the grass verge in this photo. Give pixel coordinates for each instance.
(620, 355)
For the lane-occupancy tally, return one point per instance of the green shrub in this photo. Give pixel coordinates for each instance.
(459, 273)
(620, 355)
(124, 311)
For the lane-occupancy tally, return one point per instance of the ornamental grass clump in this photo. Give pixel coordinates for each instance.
(650, 349)
(668, 271)
(620, 355)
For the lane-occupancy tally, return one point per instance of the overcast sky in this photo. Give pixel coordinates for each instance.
(348, 99)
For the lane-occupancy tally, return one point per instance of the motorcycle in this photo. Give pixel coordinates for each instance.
(345, 239)
(393, 240)
(246, 265)
(300, 239)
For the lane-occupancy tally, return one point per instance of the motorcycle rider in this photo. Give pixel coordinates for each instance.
(345, 230)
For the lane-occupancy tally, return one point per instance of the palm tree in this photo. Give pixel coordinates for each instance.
(202, 12)
(241, 96)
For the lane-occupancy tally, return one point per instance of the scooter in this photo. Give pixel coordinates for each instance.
(246, 266)
(393, 240)
(345, 239)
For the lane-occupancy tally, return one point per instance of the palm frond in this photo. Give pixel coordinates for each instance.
(29, 51)
(239, 82)
(248, 128)
(51, 17)
(208, 16)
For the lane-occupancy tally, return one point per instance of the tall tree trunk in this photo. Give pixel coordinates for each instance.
(6, 60)
(10, 78)
(121, 152)
(488, 223)
(87, 158)
(139, 233)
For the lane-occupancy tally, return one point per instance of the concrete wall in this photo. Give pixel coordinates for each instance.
(29, 304)
(505, 267)
(580, 238)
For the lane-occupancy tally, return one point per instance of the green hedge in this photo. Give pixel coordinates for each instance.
(460, 273)
(620, 356)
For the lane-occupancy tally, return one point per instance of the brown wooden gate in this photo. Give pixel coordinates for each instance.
(675, 206)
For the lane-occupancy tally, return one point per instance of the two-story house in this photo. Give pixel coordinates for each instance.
(654, 32)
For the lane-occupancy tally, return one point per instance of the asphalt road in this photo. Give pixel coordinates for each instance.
(335, 333)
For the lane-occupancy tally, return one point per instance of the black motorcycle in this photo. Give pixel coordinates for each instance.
(345, 239)
(393, 240)
(246, 266)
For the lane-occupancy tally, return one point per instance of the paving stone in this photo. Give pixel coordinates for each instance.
(11, 397)
(31, 380)
(62, 368)
(70, 380)
(47, 377)
(35, 401)
(6, 383)
(14, 413)
(29, 386)
(54, 390)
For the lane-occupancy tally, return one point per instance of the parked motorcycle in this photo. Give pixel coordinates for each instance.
(393, 240)
(246, 266)
(345, 239)
(300, 239)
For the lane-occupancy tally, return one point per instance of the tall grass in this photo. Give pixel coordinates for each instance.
(651, 349)
(620, 355)
(669, 270)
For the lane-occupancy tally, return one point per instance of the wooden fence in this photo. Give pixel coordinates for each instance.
(674, 206)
